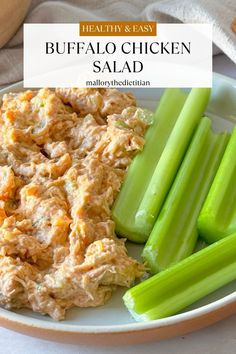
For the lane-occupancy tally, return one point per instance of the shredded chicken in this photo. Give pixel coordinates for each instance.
(63, 157)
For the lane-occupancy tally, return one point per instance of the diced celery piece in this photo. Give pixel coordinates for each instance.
(141, 169)
(174, 235)
(218, 215)
(179, 286)
(170, 160)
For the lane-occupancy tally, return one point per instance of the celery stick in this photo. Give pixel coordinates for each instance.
(200, 245)
(170, 160)
(218, 215)
(143, 165)
(174, 235)
(177, 287)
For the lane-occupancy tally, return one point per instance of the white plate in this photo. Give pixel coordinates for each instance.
(111, 323)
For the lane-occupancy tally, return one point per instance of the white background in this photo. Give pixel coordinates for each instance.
(217, 339)
(73, 70)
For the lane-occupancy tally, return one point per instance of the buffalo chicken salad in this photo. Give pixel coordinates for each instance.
(63, 156)
(82, 168)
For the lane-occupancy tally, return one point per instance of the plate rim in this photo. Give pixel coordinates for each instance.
(31, 322)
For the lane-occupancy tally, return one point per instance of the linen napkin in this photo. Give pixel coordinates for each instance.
(221, 13)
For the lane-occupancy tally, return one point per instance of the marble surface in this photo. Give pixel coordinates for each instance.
(217, 339)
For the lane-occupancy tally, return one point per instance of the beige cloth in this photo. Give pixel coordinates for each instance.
(219, 12)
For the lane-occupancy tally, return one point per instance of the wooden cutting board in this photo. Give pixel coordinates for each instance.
(12, 13)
